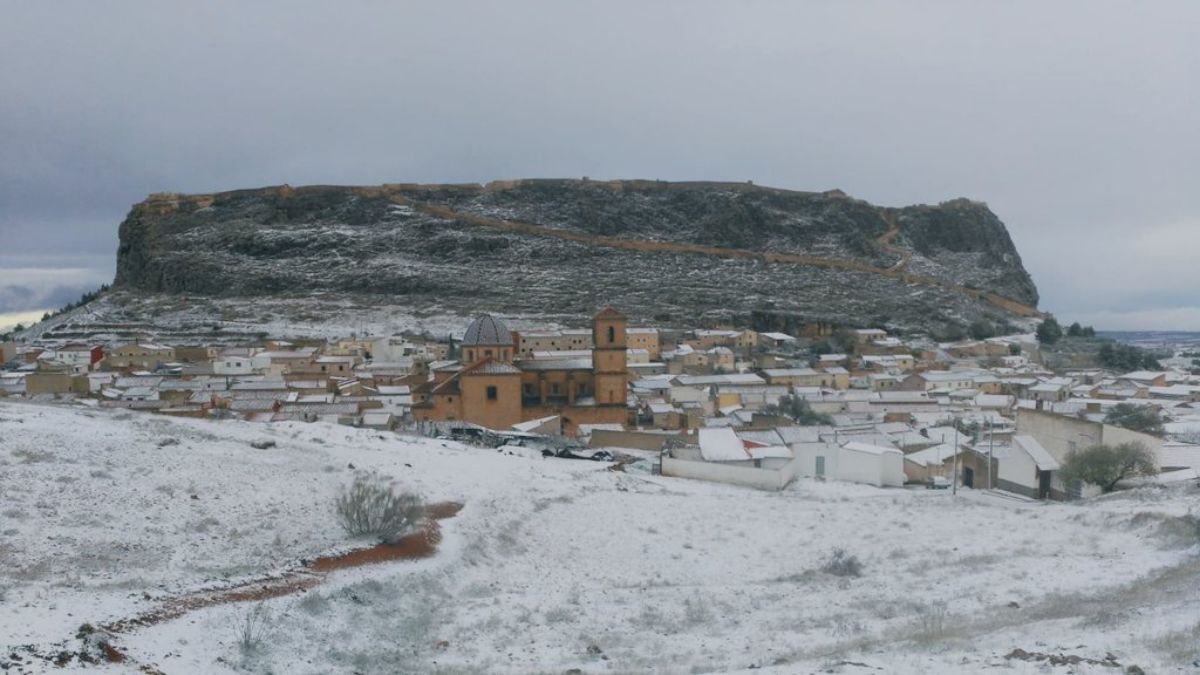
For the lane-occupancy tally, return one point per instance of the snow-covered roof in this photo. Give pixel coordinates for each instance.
(770, 451)
(1041, 457)
(721, 445)
(789, 372)
(932, 455)
(869, 448)
(530, 425)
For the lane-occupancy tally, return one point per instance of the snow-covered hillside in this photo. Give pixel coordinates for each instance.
(555, 564)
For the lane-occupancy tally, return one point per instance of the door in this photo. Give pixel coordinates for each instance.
(968, 477)
(821, 466)
(1043, 485)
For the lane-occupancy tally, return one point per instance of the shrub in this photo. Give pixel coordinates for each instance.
(1119, 356)
(798, 409)
(842, 564)
(1048, 331)
(250, 625)
(932, 621)
(1106, 465)
(371, 506)
(1136, 418)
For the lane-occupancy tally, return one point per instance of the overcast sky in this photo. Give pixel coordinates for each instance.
(1077, 122)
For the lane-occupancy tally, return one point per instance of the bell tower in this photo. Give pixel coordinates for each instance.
(608, 357)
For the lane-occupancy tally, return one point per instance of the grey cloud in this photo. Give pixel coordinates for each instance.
(1073, 120)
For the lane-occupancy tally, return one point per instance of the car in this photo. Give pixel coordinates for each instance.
(937, 483)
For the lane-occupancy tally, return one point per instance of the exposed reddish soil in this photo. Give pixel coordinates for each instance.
(422, 543)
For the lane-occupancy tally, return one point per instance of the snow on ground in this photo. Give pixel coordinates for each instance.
(559, 564)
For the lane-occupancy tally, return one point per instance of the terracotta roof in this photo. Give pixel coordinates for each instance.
(609, 313)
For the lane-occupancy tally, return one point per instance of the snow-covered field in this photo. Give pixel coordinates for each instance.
(555, 564)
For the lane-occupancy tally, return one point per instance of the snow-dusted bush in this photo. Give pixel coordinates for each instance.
(932, 621)
(842, 564)
(250, 625)
(371, 506)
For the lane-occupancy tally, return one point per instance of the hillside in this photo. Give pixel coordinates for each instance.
(665, 251)
(557, 564)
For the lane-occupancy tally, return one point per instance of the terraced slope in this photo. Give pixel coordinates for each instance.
(660, 250)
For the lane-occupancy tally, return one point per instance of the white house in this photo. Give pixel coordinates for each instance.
(1025, 467)
(722, 457)
(854, 461)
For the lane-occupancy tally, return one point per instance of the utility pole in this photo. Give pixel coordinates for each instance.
(991, 450)
(954, 463)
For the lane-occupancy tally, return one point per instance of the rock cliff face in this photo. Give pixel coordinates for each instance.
(671, 251)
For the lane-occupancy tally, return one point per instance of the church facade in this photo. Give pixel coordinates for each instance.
(494, 388)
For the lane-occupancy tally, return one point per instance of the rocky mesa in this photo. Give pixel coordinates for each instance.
(665, 251)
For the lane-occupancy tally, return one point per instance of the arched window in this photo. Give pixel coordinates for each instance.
(612, 335)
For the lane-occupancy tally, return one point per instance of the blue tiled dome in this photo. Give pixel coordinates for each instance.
(487, 330)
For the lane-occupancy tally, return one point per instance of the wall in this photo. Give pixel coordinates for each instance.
(501, 413)
(602, 438)
(1017, 472)
(763, 479)
(1060, 434)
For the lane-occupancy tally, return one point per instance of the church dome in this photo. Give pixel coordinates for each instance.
(487, 330)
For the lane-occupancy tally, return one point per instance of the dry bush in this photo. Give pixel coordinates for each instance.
(1182, 646)
(371, 507)
(842, 564)
(932, 621)
(250, 626)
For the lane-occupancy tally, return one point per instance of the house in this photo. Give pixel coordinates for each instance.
(720, 456)
(1061, 435)
(381, 420)
(797, 377)
(775, 339)
(937, 379)
(52, 377)
(852, 461)
(139, 356)
(1054, 390)
(83, 355)
(644, 338)
(703, 339)
(239, 361)
(839, 377)
(529, 342)
(867, 335)
(1145, 378)
(928, 462)
(1026, 468)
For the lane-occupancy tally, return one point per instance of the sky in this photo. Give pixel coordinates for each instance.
(1078, 122)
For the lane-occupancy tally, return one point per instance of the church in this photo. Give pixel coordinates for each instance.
(491, 387)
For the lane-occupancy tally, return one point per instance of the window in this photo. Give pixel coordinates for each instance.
(487, 353)
(554, 389)
(491, 393)
(612, 335)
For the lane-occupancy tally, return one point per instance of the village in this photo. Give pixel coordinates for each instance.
(729, 405)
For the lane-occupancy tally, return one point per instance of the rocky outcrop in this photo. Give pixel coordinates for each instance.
(532, 247)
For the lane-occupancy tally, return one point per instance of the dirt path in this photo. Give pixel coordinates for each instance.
(885, 242)
(895, 272)
(420, 544)
(309, 574)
